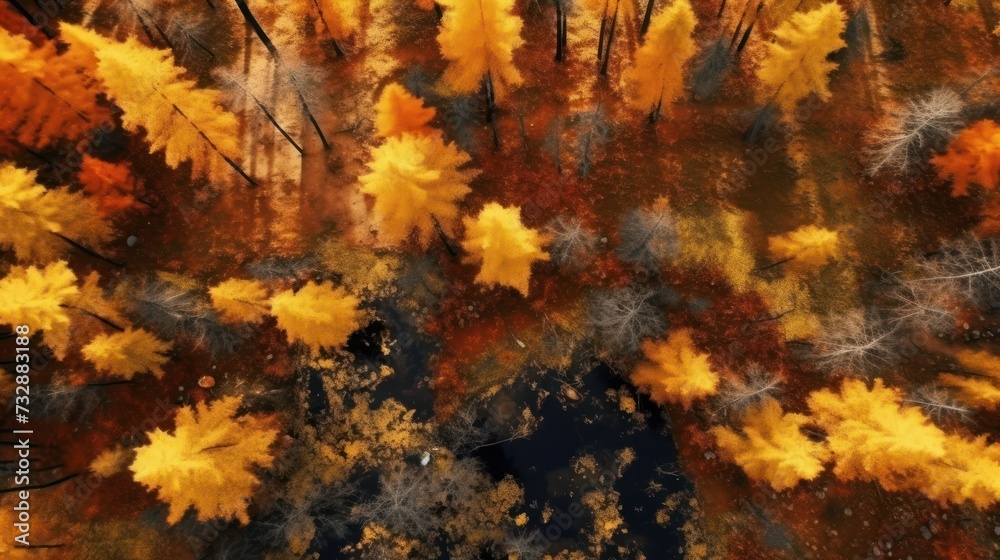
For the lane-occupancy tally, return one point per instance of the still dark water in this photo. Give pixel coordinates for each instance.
(542, 462)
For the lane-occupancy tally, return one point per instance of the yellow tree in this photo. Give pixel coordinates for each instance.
(398, 112)
(973, 157)
(416, 183)
(675, 371)
(873, 437)
(127, 353)
(39, 223)
(186, 122)
(796, 62)
(37, 297)
(657, 77)
(478, 40)
(970, 471)
(805, 248)
(772, 447)
(207, 463)
(239, 301)
(45, 96)
(318, 315)
(503, 247)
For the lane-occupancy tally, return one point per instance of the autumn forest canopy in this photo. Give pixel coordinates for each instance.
(500, 279)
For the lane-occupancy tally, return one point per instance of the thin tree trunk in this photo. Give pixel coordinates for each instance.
(559, 17)
(746, 35)
(88, 251)
(607, 48)
(89, 313)
(646, 18)
(211, 144)
(40, 486)
(159, 30)
(248, 15)
(490, 99)
(565, 43)
(142, 22)
(270, 117)
(600, 36)
(444, 238)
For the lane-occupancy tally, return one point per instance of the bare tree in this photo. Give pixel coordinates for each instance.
(922, 306)
(904, 139)
(523, 545)
(405, 502)
(859, 342)
(753, 387)
(648, 237)
(938, 403)
(593, 129)
(173, 311)
(464, 431)
(969, 268)
(571, 244)
(622, 318)
(324, 507)
(65, 401)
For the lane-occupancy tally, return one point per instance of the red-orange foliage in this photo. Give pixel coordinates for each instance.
(111, 185)
(45, 96)
(972, 157)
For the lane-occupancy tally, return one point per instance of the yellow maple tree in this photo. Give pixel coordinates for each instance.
(318, 315)
(973, 157)
(45, 96)
(796, 62)
(37, 222)
(503, 247)
(873, 437)
(187, 122)
(36, 297)
(978, 387)
(772, 447)
(478, 40)
(127, 353)
(657, 76)
(675, 371)
(207, 463)
(416, 180)
(239, 301)
(806, 247)
(969, 471)
(398, 111)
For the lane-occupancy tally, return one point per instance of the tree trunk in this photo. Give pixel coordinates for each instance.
(607, 48)
(88, 251)
(559, 44)
(743, 41)
(248, 15)
(490, 98)
(211, 144)
(88, 313)
(646, 18)
(444, 238)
